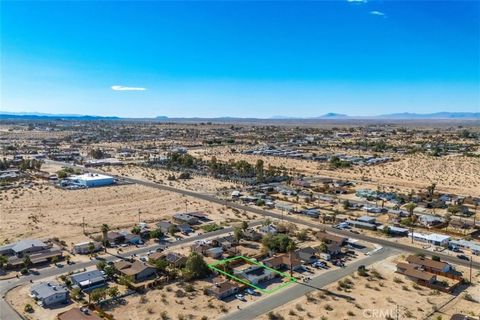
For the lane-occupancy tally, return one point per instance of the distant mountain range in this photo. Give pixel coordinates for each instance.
(327, 116)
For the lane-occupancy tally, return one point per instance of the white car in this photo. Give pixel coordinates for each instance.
(240, 297)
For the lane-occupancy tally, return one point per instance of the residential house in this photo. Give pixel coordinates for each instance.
(215, 252)
(38, 252)
(115, 238)
(433, 238)
(367, 219)
(165, 226)
(131, 238)
(84, 247)
(49, 293)
(138, 271)
(199, 215)
(183, 218)
(283, 262)
(397, 231)
(361, 225)
(307, 255)
(431, 221)
(176, 259)
(23, 247)
(255, 274)
(185, 229)
(429, 265)
(417, 275)
(333, 242)
(78, 314)
(251, 234)
(271, 229)
(88, 280)
(223, 288)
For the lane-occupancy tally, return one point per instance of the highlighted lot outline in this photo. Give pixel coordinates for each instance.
(214, 265)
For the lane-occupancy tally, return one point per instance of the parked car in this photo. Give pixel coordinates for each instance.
(240, 297)
(463, 257)
(250, 291)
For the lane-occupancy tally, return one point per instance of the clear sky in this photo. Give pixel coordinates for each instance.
(245, 59)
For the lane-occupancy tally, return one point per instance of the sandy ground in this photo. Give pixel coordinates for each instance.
(45, 211)
(374, 298)
(196, 183)
(456, 174)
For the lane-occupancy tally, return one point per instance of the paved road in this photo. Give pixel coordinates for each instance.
(286, 295)
(289, 218)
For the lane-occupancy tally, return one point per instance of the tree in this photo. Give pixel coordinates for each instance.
(76, 293)
(97, 294)
(453, 209)
(323, 247)
(27, 263)
(196, 267)
(156, 234)
(101, 265)
(410, 208)
(237, 234)
(172, 230)
(291, 247)
(276, 243)
(109, 271)
(54, 260)
(113, 292)
(91, 248)
(3, 261)
(161, 265)
(259, 170)
(105, 228)
(346, 204)
(244, 225)
(302, 235)
(68, 258)
(136, 230)
(431, 190)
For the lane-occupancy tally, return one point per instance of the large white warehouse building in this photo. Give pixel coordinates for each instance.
(92, 180)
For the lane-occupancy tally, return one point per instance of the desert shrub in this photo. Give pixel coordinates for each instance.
(28, 308)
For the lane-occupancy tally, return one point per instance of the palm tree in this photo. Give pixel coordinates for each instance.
(291, 247)
(410, 207)
(105, 229)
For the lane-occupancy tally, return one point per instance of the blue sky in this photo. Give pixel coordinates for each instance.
(245, 59)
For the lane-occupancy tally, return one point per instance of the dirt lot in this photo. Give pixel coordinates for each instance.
(375, 298)
(456, 174)
(45, 211)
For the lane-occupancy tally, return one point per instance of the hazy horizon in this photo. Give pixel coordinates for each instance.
(240, 59)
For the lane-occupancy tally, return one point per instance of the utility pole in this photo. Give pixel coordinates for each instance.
(397, 312)
(471, 262)
(83, 224)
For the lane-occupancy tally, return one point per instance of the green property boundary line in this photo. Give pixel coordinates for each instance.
(214, 265)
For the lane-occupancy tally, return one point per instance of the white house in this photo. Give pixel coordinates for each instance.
(433, 238)
(49, 293)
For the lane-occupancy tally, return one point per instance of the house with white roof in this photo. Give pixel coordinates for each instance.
(433, 238)
(49, 293)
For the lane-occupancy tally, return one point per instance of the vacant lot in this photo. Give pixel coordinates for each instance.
(357, 297)
(45, 211)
